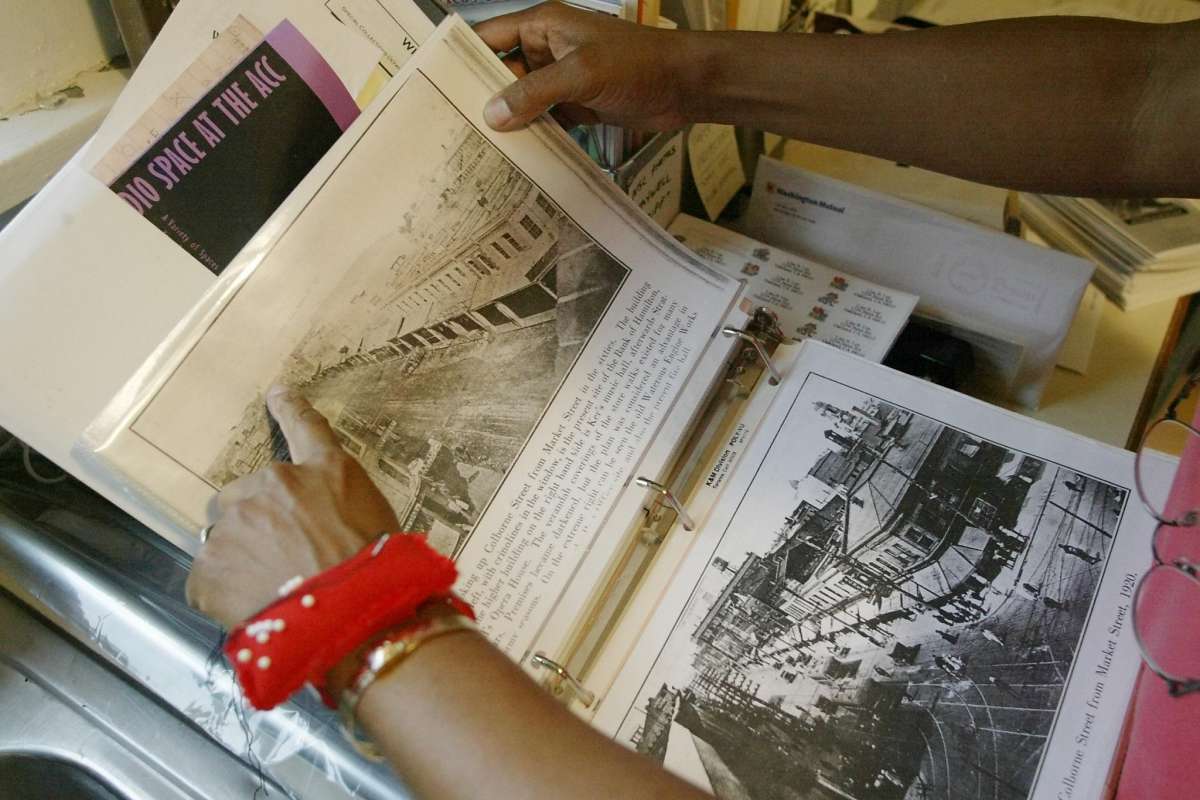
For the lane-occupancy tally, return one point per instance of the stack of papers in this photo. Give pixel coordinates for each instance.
(1146, 250)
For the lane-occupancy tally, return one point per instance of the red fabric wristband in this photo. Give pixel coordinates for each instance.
(301, 637)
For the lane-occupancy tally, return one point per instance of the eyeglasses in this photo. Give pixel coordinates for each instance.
(1167, 597)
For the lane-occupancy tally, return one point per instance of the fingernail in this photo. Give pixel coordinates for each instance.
(497, 113)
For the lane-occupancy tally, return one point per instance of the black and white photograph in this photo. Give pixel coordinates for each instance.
(438, 347)
(892, 613)
(434, 375)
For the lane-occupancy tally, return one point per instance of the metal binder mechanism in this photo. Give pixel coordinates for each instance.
(563, 685)
(668, 497)
(756, 341)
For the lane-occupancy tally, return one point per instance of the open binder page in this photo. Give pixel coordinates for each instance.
(493, 329)
(901, 590)
(589, 594)
(716, 464)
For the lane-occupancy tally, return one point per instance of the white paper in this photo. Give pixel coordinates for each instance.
(974, 202)
(654, 179)
(716, 166)
(964, 274)
(395, 27)
(491, 326)
(809, 299)
(950, 616)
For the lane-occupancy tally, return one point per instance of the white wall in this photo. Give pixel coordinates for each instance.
(44, 44)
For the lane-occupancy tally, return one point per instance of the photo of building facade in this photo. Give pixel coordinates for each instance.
(907, 629)
(442, 347)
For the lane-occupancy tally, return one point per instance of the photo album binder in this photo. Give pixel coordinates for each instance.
(777, 568)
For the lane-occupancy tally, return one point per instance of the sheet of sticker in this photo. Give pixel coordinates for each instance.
(810, 300)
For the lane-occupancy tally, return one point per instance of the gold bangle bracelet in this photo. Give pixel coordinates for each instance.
(385, 657)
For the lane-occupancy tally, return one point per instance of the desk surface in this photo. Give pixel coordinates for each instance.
(1103, 403)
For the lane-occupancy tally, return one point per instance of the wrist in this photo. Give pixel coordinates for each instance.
(703, 64)
(722, 76)
(306, 635)
(389, 654)
(344, 672)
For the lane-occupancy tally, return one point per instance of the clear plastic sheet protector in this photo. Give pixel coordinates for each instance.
(665, 292)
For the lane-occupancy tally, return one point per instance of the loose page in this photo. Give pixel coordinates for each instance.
(965, 275)
(492, 327)
(396, 27)
(810, 300)
(903, 593)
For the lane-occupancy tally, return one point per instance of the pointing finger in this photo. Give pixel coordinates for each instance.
(308, 434)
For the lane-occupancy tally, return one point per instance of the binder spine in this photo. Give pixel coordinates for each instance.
(563, 685)
(743, 369)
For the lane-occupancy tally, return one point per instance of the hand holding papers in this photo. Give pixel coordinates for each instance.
(494, 332)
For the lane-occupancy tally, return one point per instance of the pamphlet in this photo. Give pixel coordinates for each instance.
(212, 179)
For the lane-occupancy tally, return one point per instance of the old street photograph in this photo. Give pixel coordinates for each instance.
(437, 354)
(892, 612)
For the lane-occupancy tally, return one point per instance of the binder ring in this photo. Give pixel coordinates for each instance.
(757, 344)
(585, 695)
(684, 519)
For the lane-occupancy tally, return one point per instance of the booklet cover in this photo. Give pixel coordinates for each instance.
(214, 176)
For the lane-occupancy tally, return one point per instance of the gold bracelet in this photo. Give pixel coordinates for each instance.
(386, 656)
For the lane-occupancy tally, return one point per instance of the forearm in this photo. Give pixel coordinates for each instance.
(1067, 105)
(457, 719)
